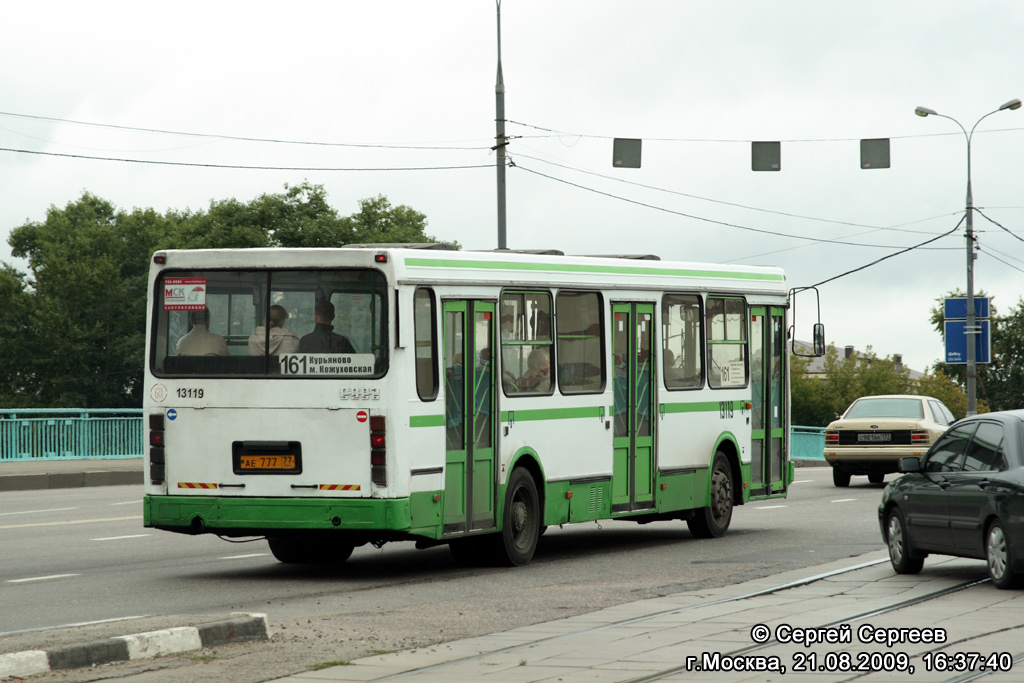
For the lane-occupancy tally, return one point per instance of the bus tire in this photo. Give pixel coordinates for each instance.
(306, 551)
(521, 523)
(288, 550)
(713, 521)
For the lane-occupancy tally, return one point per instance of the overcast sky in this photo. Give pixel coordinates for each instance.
(696, 81)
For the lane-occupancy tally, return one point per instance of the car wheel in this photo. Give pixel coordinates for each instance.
(899, 545)
(840, 478)
(997, 553)
(876, 478)
(713, 521)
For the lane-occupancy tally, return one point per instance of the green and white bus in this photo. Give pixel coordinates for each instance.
(463, 398)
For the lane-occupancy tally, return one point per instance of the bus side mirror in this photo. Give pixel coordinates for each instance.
(819, 339)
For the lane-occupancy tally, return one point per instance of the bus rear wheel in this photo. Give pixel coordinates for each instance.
(521, 525)
(713, 521)
(309, 551)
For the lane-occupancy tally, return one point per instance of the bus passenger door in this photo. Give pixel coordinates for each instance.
(633, 438)
(768, 398)
(470, 486)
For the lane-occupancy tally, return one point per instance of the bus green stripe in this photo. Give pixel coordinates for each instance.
(552, 414)
(596, 269)
(426, 421)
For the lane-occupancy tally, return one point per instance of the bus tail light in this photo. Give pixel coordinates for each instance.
(831, 438)
(378, 451)
(157, 469)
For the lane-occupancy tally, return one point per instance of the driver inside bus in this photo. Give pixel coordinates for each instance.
(323, 338)
(281, 339)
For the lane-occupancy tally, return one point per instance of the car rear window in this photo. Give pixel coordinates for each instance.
(886, 407)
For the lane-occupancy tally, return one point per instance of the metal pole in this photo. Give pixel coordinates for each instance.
(500, 141)
(971, 329)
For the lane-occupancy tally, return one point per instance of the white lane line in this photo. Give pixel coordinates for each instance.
(771, 507)
(843, 500)
(242, 557)
(33, 512)
(70, 521)
(42, 578)
(118, 538)
(803, 481)
(129, 502)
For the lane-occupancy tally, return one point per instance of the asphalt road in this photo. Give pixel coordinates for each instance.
(81, 555)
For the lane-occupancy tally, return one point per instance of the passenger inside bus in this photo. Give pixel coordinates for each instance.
(537, 378)
(281, 339)
(323, 338)
(200, 341)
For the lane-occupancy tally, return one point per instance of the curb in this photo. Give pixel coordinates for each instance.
(137, 646)
(68, 480)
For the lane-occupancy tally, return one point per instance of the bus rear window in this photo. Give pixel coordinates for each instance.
(309, 324)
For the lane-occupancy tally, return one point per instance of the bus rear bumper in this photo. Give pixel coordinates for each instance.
(417, 516)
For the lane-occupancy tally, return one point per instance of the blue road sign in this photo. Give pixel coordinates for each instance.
(956, 342)
(956, 307)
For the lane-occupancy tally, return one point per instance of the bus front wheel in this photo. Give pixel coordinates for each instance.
(521, 525)
(713, 521)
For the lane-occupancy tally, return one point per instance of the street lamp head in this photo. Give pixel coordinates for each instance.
(925, 111)
(1012, 104)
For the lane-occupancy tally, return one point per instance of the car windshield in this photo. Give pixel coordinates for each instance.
(910, 408)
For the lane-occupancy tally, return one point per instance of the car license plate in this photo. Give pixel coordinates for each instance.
(267, 462)
(874, 437)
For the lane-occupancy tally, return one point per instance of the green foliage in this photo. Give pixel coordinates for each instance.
(73, 333)
(816, 401)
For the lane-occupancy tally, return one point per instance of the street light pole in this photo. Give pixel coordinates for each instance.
(971, 329)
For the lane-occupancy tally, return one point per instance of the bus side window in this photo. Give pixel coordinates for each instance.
(425, 324)
(580, 336)
(681, 341)
(727, 342)
(527, 347)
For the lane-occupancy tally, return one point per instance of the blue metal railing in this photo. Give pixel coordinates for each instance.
(806, 443)
(68, 433)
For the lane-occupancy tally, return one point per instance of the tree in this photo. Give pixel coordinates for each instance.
(85, 304)
(939, 385)
(816, 401)
(73, 334)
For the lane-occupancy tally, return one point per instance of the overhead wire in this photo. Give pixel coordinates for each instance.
(240, 166)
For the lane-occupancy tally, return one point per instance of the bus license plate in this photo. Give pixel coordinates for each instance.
(875, 437)
(267, 462)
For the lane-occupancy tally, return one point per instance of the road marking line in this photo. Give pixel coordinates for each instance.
(772, 507)
(242, 557)
(128, 502)
(118, 538)
(70, 521)
(42, 578)
(843, 500)
(32, 512)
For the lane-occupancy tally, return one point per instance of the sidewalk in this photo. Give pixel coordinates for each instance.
(33, 475)
(732, 633)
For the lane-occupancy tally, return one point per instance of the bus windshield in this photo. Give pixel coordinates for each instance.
(291, 323)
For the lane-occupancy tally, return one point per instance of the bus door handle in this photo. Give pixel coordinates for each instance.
(305, 486)
(231, 486)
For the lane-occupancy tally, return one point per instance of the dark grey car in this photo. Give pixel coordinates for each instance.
(965, 497)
